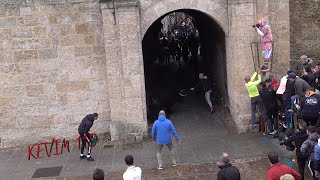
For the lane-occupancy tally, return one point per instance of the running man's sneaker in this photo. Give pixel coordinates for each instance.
(82, 157)
(160, 167)
(174, 164)
(90, 159)
(212, 109)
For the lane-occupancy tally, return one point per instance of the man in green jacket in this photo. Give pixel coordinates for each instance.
(251, 85)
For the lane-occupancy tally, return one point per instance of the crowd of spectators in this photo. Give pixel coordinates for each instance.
(291, 111)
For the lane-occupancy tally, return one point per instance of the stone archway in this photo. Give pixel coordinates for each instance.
(126, 22)
(169, 78)
(216, 9)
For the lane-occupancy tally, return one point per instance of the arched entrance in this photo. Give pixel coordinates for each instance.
(226, 29)
(164, 80)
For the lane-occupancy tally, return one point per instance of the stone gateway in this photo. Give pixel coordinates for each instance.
(62, 59)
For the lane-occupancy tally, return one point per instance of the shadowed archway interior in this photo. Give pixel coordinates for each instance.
(164, 82)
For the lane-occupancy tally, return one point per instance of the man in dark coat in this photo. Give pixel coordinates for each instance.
(84, 129)
(269, 100)
(227, 172)
(298, 139)
(206, 86)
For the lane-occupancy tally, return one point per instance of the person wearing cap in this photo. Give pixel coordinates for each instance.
(286, 101)
(269, 100)
(251, 85)
(310, 107)
(266, 42)
(300, 85)
(227, 172)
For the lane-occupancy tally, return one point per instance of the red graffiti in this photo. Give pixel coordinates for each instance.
(58, 149)
(92, 144)
(43, 146)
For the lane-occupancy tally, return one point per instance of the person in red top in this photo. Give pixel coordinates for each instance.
(278, 169)
(274, 84)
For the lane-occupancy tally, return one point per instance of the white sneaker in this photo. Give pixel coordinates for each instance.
(160, 167)
(272, 133)
(174, 164)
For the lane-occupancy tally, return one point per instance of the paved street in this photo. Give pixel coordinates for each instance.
(203, 137)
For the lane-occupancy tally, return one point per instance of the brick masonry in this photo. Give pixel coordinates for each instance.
(63, 59)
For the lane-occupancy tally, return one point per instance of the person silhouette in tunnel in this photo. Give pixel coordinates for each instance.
(207, 89)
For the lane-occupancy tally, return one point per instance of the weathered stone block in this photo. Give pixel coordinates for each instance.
(29, 101)
(34, 90)
(82, 51)
(30, 44)
(14, 91)
(139, 138)
(36, 111)
(7, 22)
(130, 138)
(28, 21)
(53, 2)
(25, 11)
(82, 29)
(22, 33)
(98, 50)
(48, 53)
(77, 1)
(73, 86)
(91, 17)
(90, 40)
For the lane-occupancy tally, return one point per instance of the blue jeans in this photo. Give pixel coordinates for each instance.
(288, 115)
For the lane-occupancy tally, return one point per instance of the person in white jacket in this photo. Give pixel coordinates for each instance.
(132, 173)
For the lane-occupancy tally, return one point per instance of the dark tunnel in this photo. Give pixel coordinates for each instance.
(163, 82)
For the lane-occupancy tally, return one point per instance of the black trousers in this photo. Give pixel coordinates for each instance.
(310, 120)
(301, 165)
(85, 140)
(272, 118)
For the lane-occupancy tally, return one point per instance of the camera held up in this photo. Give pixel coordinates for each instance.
(256, 25)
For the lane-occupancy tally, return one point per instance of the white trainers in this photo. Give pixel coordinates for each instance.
(174, 164)
(160, 167)
(272, 133)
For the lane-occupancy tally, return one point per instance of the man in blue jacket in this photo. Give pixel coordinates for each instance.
(161, 130)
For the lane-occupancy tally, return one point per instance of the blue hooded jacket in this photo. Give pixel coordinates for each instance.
(162, 128)
(317, 157)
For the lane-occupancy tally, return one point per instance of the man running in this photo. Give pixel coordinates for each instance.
(206, 88)
(84, 129)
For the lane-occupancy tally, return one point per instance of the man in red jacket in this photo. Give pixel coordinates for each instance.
(278, 169)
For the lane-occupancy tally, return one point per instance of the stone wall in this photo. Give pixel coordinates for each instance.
(63, 59)
(52, 68)
(304, 25)
(125, 76)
